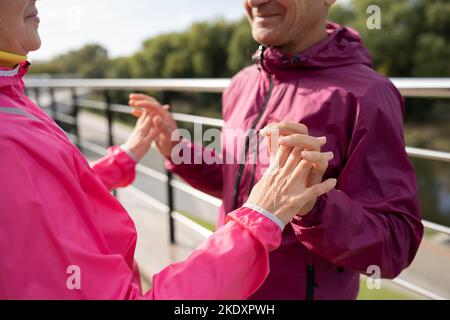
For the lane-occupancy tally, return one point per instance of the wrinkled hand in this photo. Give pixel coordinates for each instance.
(284, 190)
(296, 135)
(142, 137)
(162, 121)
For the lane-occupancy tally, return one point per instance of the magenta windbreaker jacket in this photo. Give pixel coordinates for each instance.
(64, 236)
(372, 218)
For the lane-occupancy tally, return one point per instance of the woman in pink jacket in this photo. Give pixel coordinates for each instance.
(62, 234)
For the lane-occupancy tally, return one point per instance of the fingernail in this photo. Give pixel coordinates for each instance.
(323, 140)
(330, 156)
(333, 182)
(264, 132)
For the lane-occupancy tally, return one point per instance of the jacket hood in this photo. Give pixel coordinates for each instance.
(342, 47)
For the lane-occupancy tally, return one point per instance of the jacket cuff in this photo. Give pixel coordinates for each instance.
(313, 218)
(265, 230)
(125, 163)
(130, 153)
(266, 214)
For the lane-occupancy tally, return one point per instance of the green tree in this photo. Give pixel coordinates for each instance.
(91, 61)
(241, 47)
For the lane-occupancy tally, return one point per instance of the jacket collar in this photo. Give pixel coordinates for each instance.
(343, 46)
(19, 70)
(9, 73)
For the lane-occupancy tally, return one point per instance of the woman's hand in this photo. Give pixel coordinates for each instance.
(296, 135)
(142, 137)
(284, 189)
(162, 121)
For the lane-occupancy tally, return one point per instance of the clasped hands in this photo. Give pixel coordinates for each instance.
(291, 185)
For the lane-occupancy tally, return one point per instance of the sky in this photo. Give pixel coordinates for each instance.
(120, 25)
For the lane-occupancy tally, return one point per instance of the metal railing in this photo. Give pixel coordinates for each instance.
(408, 87)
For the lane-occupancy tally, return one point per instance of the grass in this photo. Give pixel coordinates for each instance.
(382, 294)
(203, 223)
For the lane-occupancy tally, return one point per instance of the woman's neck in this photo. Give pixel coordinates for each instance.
(10, 60)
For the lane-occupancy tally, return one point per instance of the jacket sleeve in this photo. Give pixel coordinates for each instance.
(116, 170)
(373, 216)
(202, 176)
(51, 245)
(231, 265)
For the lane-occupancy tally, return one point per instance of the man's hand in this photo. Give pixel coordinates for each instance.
(162, 121)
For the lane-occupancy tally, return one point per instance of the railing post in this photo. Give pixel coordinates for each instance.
(37, 94)
(170, 194)
(170, 204)
(75, 112)
(53, 106)
(109, 117)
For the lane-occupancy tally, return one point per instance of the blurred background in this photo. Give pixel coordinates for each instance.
(175, 39)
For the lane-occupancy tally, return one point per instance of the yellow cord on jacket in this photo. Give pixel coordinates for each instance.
(10, 60)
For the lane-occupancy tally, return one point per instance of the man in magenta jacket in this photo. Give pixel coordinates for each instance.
(316, 78)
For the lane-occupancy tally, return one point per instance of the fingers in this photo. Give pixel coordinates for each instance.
(152, 134)
(320, 163)
(320, 160)
(140, 96)
(301, 172)
(293, 160)
(161, 126)
(303, 141)
(142, 102)
(281, 157)
(286, 128)
(137, 112)
(314, 192)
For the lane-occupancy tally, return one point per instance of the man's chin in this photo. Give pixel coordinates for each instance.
(267, 38)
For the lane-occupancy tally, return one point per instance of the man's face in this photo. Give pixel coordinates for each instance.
(280, 22)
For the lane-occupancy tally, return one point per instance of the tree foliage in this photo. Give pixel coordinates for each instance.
(414, 41)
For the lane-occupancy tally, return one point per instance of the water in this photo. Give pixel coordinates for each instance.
(433, 178)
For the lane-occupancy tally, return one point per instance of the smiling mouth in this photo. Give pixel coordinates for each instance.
(33, 14)
(267, 16)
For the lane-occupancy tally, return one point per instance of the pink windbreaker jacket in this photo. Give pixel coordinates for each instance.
(56, 213)
(372, 218)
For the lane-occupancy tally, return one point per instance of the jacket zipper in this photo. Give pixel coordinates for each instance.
(310, 281)
(310, 269)
(247, 144)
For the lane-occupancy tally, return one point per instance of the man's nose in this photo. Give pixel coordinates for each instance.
(257, 3)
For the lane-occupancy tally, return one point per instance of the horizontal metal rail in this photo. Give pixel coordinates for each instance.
(213, 122)
(181, 186)
(417, 87)
(428, 154)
